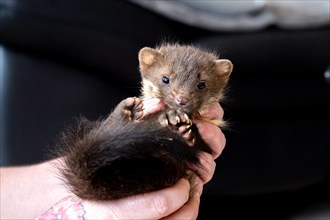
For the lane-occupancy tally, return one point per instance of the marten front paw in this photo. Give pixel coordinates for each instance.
(130, 109)
(179, 121)
(174, 118)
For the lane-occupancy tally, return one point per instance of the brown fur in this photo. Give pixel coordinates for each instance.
(118, 157)
(186, 66)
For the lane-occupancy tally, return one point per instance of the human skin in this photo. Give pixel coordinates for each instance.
(28, 191)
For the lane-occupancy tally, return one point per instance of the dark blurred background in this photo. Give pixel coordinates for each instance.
(64, 58)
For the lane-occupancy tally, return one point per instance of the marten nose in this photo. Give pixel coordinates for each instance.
(181, 100)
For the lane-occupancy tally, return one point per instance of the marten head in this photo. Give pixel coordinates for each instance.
(182, 76)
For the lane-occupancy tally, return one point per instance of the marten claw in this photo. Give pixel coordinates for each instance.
(172, 117)
(187, 135)
(177, 119)
(185, 131)
(184, 128)
(163, 120)
(164, 123)
(127, 113)
(185, 118)
(192, 142)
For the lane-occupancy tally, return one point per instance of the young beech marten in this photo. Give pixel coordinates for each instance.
(120, 156)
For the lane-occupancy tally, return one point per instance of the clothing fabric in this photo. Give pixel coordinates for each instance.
(243, 15)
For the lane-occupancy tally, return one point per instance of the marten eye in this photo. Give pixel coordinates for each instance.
(201, 85)
(166, 80)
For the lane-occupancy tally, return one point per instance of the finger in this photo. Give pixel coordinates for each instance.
(213, 137)
(188, 211)
(207, 168)
(153, 205)
(213, 111)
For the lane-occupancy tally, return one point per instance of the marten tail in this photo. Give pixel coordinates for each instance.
(123, 160)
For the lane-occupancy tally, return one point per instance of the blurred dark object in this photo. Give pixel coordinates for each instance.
(61, 59)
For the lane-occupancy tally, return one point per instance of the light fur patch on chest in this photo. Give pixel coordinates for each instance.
(149, 89)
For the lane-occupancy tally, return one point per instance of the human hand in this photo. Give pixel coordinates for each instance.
(213, 136)
(215, 139)
(177, 202)
(153, 205)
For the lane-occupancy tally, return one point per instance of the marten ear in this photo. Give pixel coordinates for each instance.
(148, 57)
(224, 67)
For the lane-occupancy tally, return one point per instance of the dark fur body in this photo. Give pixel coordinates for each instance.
(119, 156)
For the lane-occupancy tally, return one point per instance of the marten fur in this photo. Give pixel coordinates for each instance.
(120, 156)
